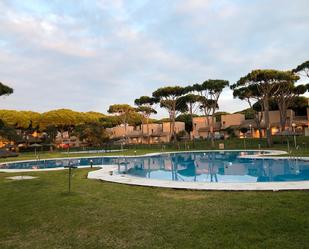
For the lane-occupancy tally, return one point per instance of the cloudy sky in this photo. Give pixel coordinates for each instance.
(88, 54)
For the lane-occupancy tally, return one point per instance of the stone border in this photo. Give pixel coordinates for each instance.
(108, 174)
(41, 170)
(269, 152)
(269, 155)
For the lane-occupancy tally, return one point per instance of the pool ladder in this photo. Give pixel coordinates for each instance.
(295, 158)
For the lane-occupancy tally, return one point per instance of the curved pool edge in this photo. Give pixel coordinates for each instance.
(270, 153)
(104, 174)
(42, 170)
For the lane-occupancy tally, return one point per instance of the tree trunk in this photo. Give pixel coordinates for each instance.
(192, 135)
(267, 122)
(258, 123)
(148, 135)
(212, 131)
(260, 133)
(207, 123)
(283, 114)
(142, 131)
(173, 127)
(172, 121)
(125, 132)
(191, 116)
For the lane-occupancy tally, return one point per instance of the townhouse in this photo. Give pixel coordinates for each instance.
(241, 127)
(152, 133)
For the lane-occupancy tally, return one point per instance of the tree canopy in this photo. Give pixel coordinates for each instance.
(92, 133)
(249, 113)
(169, 99)
(17, 119)
(120, 109)
(304, 67)
(187, 119)
(170, 92)
(126, 113)
(8, 133)
(5, 90)
(62, 118)
(298, 105)
(145, 100)
(58, 118)
(146, 110)
(210, 91)
(263, 85)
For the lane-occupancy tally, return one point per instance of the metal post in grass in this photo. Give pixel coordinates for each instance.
(70, 167)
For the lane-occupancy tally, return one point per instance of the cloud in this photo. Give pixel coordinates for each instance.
(193, 6)
(87, 55)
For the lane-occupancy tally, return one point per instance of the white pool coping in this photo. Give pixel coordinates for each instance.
(104, 174)
(41, 170)
(4, 170)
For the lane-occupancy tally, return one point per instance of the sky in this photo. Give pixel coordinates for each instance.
(86, 55)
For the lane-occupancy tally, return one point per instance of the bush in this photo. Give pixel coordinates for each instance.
(182, 135)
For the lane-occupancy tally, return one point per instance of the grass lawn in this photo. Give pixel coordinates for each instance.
(39, 213)
(57, 154)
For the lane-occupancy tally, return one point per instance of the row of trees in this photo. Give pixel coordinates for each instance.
(190, 99)
(259, 88)
(176, 99)
(62, 118)
(82, 124)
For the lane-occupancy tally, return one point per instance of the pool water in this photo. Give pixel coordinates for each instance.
(191, 167)
(219, 167)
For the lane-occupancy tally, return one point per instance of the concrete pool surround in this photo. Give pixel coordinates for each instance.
(109, 173)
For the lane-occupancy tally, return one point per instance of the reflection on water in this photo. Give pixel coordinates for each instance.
(218, 167)
(192, 167)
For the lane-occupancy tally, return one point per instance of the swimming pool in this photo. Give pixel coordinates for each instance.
(207, 167)
(219, 167)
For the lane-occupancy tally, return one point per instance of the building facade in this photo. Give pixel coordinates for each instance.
(152, 133)
(236, 125)
(201, 127)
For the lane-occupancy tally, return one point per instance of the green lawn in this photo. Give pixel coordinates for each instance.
(57, 154)
(39, 213)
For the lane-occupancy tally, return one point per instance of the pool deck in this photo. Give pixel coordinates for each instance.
(104, 174)
(110, 173)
